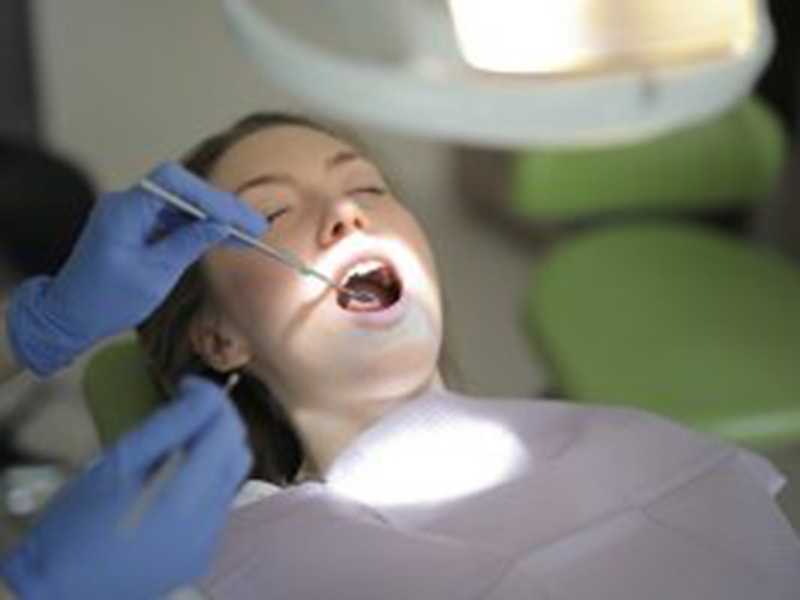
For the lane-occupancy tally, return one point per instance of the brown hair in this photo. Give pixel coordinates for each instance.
(165, 338)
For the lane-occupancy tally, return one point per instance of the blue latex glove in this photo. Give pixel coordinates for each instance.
(131, 253)
(82, 549)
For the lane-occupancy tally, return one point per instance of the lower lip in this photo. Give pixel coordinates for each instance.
(379, 319)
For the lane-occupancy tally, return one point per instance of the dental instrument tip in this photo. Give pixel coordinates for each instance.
(360, 296)
(363, 296)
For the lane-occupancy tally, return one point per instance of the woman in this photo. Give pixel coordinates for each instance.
(384, 484)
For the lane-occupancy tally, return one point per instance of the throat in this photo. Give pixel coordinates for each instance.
(326, 431)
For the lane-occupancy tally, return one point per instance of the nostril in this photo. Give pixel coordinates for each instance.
(345, 219)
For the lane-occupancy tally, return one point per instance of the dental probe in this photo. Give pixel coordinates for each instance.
(159, 479)
(282, 256)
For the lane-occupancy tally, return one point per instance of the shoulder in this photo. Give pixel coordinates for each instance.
(661, 454)
(647, 454)
(637, 452)
(609, 430)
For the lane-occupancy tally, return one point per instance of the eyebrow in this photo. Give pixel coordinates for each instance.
(339, 159)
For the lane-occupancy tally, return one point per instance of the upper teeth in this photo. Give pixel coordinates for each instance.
(363, 268)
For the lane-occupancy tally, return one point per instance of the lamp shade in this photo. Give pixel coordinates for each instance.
(401, 66)
(542, 36)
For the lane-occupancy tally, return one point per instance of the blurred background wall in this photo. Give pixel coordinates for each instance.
(18, 100)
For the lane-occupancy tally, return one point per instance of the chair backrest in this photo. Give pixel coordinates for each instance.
(676, 319)
(725, 163)
(119, 390)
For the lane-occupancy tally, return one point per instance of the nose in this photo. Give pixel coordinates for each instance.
(343, 218)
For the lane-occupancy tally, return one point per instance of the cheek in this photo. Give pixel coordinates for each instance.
(411, 232)
(250, 288)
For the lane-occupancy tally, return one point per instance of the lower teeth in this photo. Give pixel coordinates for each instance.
(372, 303)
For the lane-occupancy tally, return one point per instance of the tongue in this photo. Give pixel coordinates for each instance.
(369, 297)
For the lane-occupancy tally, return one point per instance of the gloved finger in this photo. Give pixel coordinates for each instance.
(188, 242)
(197, 403)
(216, 463)
(217, 204)
(130, 216)
(169, 220)
(136, 217)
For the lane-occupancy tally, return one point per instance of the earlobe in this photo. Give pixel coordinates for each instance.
(218, 343)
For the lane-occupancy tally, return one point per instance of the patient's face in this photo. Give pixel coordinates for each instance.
(333, 209)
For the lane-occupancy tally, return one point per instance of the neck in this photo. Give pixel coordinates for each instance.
(327, 427)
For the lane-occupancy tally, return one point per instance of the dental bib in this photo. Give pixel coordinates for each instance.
(450, 497)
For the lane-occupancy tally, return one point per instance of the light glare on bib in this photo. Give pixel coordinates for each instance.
(464, 458)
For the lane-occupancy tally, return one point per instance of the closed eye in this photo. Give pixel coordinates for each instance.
(371, 190)
(276, 214)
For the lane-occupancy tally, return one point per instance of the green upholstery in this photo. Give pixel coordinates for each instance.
(724, 163)
(676, 319)
(119, 390)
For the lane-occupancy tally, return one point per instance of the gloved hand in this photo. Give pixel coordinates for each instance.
(131, 253)
(85, 548)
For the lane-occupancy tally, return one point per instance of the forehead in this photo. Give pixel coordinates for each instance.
(283, 149)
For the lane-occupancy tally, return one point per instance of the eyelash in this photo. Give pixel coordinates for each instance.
(373, 190)
(277, 213)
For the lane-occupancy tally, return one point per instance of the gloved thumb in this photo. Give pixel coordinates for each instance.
(197, 404)
(187, 243)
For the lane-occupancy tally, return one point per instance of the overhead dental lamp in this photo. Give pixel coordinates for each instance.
(511, 73)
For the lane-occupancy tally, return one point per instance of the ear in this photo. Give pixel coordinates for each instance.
(216, 340)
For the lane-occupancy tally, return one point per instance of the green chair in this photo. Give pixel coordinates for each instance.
(118, 388)
(678, 319)
(720, 165)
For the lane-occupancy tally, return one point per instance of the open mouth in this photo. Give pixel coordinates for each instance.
(377, 284)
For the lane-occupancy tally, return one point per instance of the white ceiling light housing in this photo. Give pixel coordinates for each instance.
(605, 71)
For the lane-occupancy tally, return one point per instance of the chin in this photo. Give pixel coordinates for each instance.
(375, 371)
(407, 375)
